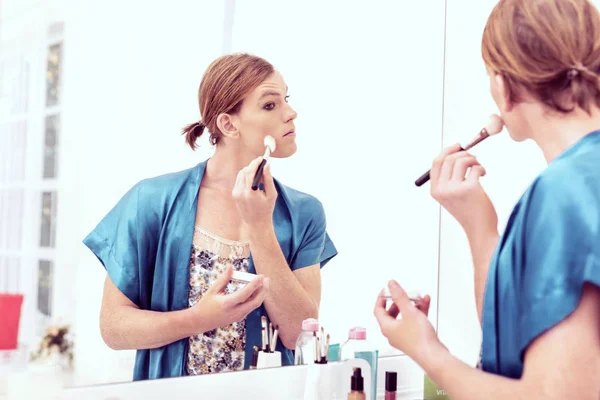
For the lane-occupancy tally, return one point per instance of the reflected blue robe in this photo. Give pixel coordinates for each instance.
(145, 245)
(550, 248)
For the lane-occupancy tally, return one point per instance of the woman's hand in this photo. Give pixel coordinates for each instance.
(217, 309)
(455, 185)
(411, 333)
(255, 206)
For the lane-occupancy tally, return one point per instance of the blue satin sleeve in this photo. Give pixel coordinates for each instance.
(114, 241)
(316, 247)
(561, 231)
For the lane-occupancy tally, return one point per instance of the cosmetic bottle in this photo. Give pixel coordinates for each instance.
(357, 347)
(357, 386)
(391, 385)
(305, 346)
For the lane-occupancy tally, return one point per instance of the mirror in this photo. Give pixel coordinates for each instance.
(366, 80)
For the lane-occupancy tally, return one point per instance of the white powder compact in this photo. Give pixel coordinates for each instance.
(414, 296)
(241, 276)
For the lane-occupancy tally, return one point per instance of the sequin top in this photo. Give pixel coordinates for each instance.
(221, 349)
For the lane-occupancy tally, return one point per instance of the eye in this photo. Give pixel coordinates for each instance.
(286, 98)
(269, 106)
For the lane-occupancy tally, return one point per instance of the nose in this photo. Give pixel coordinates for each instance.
(291, 114)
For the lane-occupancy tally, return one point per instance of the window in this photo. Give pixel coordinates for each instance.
(14, 119)
(30, 130)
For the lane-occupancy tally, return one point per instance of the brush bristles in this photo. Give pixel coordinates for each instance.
(269, 142)
(494, 125)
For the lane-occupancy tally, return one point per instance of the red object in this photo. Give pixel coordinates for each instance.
(10, 315)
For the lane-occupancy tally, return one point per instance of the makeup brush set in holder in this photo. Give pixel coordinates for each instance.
(266, 356)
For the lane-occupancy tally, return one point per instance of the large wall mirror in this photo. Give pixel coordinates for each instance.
(366, 80)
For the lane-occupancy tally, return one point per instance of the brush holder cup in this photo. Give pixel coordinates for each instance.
(268, 360)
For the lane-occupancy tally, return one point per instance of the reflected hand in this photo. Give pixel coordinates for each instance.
(255, 206)
(455, 185)
(217, 309)
(411, 333)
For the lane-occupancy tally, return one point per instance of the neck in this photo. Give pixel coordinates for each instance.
(555, 134)
(223, 167)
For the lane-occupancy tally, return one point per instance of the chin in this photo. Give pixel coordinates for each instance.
(286, 151)
(516, 135)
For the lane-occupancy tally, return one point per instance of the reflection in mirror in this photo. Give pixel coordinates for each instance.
(353, 105)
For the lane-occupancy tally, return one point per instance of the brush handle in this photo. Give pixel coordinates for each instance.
(425, 177)
(258, 175)
(422, 179)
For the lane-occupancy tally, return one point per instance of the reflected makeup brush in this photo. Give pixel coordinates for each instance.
(269, 148)
(274, 338)
(263, 323)
(254, 362)
(327, 348)
(316, 342)
(493, 126)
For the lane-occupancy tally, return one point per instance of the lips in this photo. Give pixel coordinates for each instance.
(292, 132)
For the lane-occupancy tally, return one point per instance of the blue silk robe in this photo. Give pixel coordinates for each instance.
(145, 245)
(550, 248)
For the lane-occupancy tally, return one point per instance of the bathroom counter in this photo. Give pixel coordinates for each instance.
(256, 384)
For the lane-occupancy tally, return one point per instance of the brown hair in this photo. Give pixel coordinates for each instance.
(550, 48)
(225, 84)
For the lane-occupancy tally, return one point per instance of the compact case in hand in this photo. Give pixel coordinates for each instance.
(242, 276)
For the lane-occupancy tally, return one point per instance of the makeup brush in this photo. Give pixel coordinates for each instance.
(269, 148)
(493, 126)
(319, 350)
(322, 343)
(327, 348)
(274, 338)
(254, 362)
(316, 342)
(263, 322)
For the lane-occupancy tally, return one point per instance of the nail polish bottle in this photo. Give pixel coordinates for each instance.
(391, 385)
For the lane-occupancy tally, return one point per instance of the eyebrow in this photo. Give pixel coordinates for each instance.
(268, 93)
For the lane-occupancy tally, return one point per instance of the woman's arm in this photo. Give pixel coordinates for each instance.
(124, 325)
(563, 363)
(293, 296)
(482, 241)
(462, 195)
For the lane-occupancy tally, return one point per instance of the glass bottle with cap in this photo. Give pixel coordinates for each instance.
(391, 385)
(305, 347)
(357, 346)
(357, 386)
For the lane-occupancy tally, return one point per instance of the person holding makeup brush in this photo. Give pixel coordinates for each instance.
(170, 245)
(537, 286)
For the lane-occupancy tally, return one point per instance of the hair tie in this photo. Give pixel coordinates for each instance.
(577, 69)
(572, 73)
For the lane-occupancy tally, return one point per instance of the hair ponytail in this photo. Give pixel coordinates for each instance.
(192, 132)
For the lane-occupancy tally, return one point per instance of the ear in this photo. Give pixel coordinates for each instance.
(503, 93)
(227, 125)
